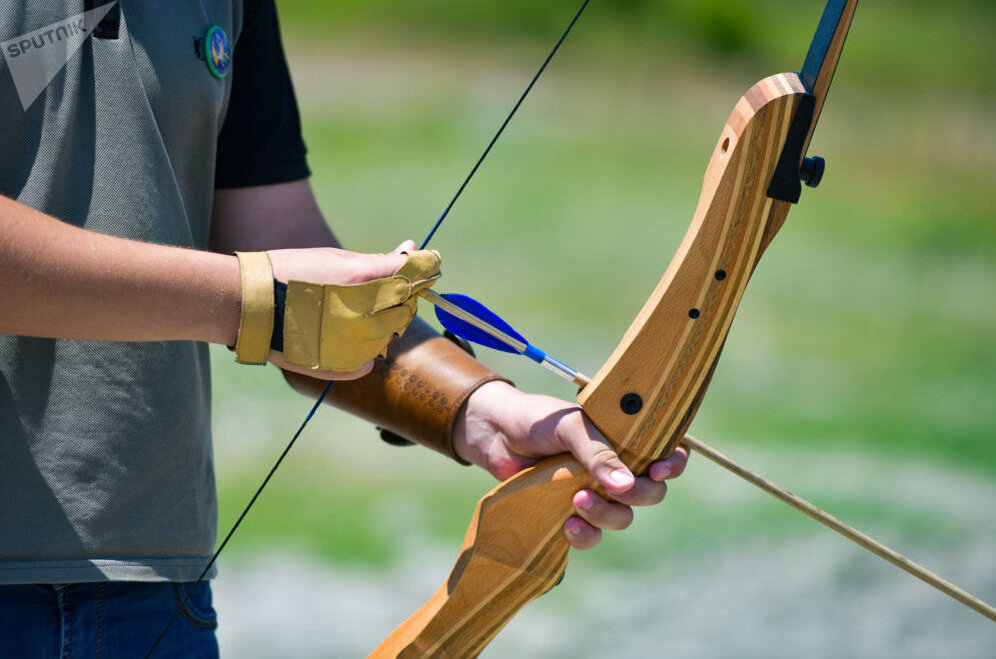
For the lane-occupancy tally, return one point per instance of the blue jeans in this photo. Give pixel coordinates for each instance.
(112, 619)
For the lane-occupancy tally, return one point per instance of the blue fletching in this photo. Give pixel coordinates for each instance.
(468, 332)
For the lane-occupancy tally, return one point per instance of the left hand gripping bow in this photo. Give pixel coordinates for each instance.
(646, 395)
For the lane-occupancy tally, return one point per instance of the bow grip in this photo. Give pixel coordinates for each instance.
(513, 552)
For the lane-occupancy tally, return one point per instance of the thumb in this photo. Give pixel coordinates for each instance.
(597, 456)
(406, 246)
(610, 472)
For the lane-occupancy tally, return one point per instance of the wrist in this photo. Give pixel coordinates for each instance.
(419, 391)
(200, 298)
(476, 419)
(223, 305)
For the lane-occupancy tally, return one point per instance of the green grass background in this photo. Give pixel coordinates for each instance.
(866, 335)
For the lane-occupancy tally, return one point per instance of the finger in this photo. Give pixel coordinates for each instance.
(581, 534)
(646, 492)
(577, 435)
(406, 246)
(670, 467)
(383, 265)
(600, 513)
(277, 359)
(344, 375)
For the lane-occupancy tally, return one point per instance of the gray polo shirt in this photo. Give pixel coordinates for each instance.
(106, 468)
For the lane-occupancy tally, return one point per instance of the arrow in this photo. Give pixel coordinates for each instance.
(472, 321)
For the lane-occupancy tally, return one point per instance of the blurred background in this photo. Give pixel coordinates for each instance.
(860, 371)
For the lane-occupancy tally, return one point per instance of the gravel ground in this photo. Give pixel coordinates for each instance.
(814, 595)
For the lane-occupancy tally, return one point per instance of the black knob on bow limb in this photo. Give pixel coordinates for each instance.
(812, 170)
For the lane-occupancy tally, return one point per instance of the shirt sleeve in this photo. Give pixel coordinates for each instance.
(260, 142)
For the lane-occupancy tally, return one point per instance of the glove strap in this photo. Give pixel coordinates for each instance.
(256, 320)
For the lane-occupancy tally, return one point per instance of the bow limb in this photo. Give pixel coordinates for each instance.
(645, 396)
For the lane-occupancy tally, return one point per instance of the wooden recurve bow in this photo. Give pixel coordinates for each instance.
(647, 393)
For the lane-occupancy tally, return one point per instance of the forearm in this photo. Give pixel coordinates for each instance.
(61, 281)
(417, 393)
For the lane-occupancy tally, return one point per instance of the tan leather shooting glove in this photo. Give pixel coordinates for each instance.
(331, 327)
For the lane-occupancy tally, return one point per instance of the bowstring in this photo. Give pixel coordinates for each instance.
(505, 123)
(245, 512)
(328, 387)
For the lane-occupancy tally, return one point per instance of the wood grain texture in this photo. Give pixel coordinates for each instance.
(515, 549)
(667, 354)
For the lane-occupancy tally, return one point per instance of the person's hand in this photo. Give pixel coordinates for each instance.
(504, 430)
(329, 265)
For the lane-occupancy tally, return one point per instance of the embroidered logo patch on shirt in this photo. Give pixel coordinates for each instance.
(217, 52)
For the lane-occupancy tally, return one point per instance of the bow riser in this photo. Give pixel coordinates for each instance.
(503, 564)
(644, 397)
(515, 549)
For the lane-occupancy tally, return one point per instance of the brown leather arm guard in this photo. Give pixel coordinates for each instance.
(415, 393)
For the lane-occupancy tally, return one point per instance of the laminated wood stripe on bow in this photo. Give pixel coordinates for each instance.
(513, 552)
(667, 354)
(515, 549)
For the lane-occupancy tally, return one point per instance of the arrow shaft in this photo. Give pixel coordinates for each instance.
(797, 502)
(840, 527)
(734, 467)
(524, 348)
